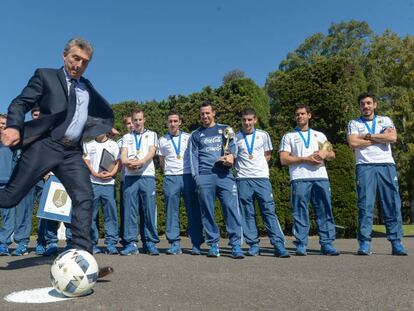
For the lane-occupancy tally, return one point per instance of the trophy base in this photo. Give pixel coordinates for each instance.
(220, 165)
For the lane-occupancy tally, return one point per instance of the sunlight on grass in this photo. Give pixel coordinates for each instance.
(408, 229)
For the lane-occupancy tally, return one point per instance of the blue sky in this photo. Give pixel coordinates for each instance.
(148, 50)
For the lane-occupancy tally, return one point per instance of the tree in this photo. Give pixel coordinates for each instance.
(346, 39)
(329, 71)
(233, 75)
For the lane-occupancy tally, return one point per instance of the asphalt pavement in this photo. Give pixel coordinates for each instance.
(186, 282)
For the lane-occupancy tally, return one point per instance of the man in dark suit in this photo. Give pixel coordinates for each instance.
(70, 110)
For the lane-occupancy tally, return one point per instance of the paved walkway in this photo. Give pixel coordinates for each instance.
(185, 282)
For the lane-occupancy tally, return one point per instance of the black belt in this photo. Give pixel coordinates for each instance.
(68, 143)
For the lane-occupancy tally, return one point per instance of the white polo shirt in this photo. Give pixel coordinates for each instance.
(174, 165)
(378, 153)
(93, 152)
(293, 143)
(146, 140)
(254, 166)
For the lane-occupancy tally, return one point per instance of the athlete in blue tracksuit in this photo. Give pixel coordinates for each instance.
(7, 214)
(174, 156)
(207, 144)
(301, 151)
(252, 175)
(137, 152)
(16, 221)
(371, 137)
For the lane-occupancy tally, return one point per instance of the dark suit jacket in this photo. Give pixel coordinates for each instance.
(48, 90)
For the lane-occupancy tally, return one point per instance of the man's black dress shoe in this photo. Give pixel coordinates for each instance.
(104, 271)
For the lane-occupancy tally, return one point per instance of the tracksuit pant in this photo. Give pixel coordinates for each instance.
(47, 229)
(381, 179)
(105, 194)
(319, 194)
(174, 186)
(222, 185)
(139, 192)
(17, 222)
(250, 189)
(121, 213)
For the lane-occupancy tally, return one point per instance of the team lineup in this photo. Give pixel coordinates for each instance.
(67, 112)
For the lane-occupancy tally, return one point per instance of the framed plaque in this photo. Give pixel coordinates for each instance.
(55, 203)
(107, 161)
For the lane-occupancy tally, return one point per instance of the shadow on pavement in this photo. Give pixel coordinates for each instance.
(21, 263)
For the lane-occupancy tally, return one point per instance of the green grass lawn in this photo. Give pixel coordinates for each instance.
(408, 229)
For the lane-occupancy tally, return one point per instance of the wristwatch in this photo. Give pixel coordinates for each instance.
(368, 136)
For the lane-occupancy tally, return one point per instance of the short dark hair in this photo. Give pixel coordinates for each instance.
(365, 95)
(301, 106)
(248, 111)
(125, 117)
(137, 110)
(174, 113)
(207, 103)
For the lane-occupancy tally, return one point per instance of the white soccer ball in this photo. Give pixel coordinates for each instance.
(74, 272)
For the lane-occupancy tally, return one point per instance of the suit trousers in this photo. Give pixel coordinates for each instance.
(46, 155)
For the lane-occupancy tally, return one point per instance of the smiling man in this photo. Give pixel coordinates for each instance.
(174, 157)
(70, 110)
(371, 137)
(207, 145)
(137, 153)
(252, 176)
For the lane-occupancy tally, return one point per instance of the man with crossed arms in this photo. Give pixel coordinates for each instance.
(371, 137)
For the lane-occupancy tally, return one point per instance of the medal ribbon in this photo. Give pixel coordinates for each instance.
(177, 149)
(305, 142)
(250, 148)
(138, 143)
(374, 123)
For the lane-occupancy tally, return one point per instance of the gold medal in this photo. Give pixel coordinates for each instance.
(250, 157)
(138, 152)
(178, 156)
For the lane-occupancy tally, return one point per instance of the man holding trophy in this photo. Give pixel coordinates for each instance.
(304, 150)
(212, 153)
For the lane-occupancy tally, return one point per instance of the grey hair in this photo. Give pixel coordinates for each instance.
(3, 115)
(79, 42)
